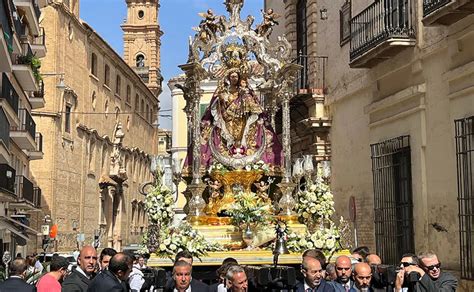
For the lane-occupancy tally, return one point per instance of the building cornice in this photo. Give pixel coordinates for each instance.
(105, 138)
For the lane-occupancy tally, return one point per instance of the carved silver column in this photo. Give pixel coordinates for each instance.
(286, 135)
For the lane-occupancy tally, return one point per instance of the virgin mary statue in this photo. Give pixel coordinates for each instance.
(235, 126)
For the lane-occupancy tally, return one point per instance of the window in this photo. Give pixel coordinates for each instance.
(393, 198)
(140, 60)
(137, 100)
(107, 75)
(147, 114)
(128, 95)
(94, 64)
(142, 108)
(141, 14)
(67, 119)
(302, 42)
(465, 178)
(301, 28)
(345, 22)
(118, 85)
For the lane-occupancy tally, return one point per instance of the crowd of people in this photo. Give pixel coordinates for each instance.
(118, 271)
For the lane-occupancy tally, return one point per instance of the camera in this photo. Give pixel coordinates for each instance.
(154, 279)
(385, 275)
(268, 278)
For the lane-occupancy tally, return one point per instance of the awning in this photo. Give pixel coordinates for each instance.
(28, 229)
(4, 223)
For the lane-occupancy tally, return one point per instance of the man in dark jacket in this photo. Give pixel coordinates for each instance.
(80, 279)
(16, 280)
(313, 277)
(115, 277)
(432, 279)
(182, 279)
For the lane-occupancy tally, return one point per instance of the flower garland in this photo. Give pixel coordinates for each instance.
(248, 209)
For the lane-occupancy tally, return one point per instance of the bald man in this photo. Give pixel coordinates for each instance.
(362, 276)
(80, 279)
(373, 259)
(343, 283)
(313, 277)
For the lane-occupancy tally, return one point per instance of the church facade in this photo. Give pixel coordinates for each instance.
(101, 131)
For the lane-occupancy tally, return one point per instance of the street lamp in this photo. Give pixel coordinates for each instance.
(45, 231)
(61, 85)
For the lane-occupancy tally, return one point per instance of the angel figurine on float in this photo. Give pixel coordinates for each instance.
(269, 20)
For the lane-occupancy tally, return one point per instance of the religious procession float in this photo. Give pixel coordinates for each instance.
(246, 198)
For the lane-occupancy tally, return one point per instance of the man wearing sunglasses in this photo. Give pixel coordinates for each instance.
(431, 278)
(343, 282)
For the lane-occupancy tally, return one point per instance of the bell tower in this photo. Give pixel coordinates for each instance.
(142, 41)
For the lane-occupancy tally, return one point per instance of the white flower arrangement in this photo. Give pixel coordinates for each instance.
(324, 239)
(163, 239)
(248, 209)
(316, 202)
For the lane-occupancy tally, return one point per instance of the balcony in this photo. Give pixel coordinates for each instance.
(23, 69)
(24, 135)
(31, 11)
(446, 12)
(38, 44)
(25, 193)
(37, 97)
(9, 101)
(311, 79)
(36, 154)
(381, 31)
(4, 138)
(7, 181)
(6, 39)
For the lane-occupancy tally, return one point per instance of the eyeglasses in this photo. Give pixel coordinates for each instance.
(432, 267)
(407, 264)
(342, 269)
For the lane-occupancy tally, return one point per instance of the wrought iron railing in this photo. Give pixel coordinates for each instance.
(382, 20)
(37, 197)
(7, 178)
(4, 129)
(24, 189)
(465, 178)
(5, 23)
(9, 93)
(40, 39)
(40, 92)
(433, 5)
(393, 199)
(36, 8)
(312, 76)
(27, 124)
(39, 142)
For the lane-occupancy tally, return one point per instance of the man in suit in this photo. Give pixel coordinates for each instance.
(80, 279)
(313, 277)
(343, 282)
(431, 277)
(237, 279)
(182, 279)
(362, 278)
(115, 276)
(16, 280)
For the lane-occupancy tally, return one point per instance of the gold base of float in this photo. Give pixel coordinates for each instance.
(244, 257)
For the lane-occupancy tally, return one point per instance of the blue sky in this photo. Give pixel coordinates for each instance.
(177, 17)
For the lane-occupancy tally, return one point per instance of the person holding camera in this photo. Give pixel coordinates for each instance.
(422, 274)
